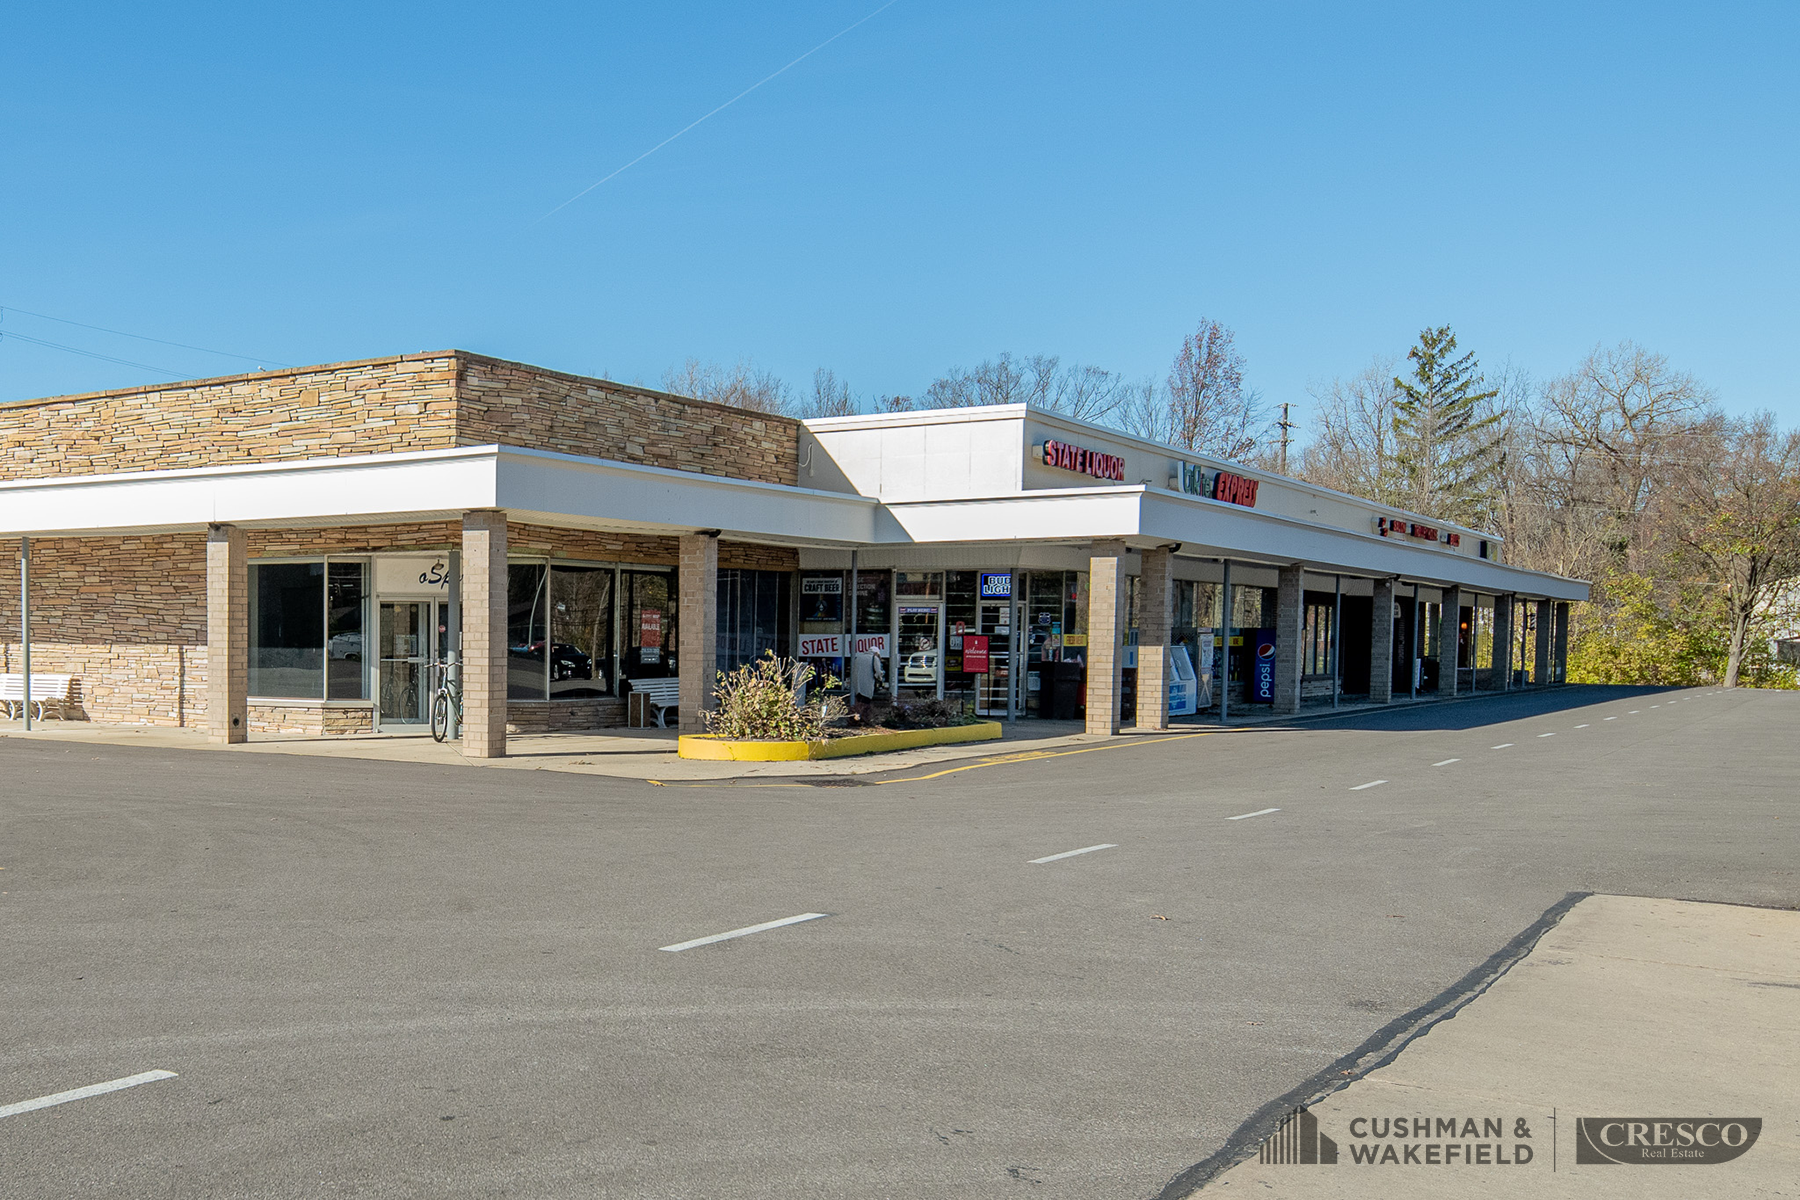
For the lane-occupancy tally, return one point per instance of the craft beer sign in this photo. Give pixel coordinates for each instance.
(1082, 461)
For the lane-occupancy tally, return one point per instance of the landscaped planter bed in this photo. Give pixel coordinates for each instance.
(706, 746)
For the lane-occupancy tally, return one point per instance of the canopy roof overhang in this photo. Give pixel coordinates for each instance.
(546, 488)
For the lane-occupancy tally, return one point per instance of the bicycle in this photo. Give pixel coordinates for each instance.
(446, 698)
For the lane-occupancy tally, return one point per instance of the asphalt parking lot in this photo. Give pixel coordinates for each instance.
(1073, 975)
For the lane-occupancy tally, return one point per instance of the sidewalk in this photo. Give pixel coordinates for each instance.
(1630, 1008)
(616, 753)
(650, 753)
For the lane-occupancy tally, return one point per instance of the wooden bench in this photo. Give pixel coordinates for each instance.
(659, 696)
(46, 690)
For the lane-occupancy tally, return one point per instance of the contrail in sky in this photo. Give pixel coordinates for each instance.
(715, 112)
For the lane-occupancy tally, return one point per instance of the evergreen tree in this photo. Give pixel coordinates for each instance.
(1446, 443)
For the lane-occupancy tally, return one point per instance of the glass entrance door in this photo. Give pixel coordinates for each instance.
(994, 622)
(921, 650)
(403, 649)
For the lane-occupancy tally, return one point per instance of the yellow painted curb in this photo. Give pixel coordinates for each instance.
(908, 739)
(712, 749)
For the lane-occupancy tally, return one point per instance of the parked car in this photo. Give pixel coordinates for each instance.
(566, 662)
(920, 669)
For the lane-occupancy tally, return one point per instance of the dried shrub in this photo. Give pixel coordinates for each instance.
(928, 714)
(760, 701)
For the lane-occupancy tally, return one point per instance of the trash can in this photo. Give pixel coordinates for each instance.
(1067, 679)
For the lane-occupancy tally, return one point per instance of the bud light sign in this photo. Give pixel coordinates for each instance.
(996, 585)
(1262, 678)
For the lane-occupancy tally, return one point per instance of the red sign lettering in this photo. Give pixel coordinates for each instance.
(1084, 461)
(1235, 489)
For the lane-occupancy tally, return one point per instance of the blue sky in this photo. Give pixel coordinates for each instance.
(947, 181)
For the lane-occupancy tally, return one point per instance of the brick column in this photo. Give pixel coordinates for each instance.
(1106, 624)
(1156, 623)
(1560, 663)
(1503, 633)
(484, 634)
(1449, 633)
(698, 659)
(1540, 666)
(1290, 621)
(1381, 644)
(227, 635)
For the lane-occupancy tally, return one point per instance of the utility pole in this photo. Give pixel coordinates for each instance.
(1287, 428)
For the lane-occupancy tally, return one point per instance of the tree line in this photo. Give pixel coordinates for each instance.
(1625, 471)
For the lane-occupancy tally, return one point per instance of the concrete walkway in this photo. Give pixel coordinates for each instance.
(650, 753)
(1628, 1008)
(617, 753)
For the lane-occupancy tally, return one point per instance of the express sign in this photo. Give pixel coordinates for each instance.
(1082, 460)
(1215, 485)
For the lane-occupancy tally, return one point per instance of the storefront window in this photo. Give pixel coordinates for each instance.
(873, 613)
(918, 583)
(287, 630)
(1316, 637)
(650, 630)
(753, 616)
(346, 589)
(581, 635)
(961, 619)
(527, 633)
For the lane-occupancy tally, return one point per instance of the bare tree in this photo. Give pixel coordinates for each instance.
(1608, 434)
(1210, 409)
(1085, 393)
(831, 397)
(1351, 443)
(740, 385)
(1740, 510)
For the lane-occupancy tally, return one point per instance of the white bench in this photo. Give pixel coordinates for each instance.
(45, 691)
(659, 696)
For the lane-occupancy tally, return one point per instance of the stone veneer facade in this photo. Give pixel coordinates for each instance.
(389, 405)
(126, 615)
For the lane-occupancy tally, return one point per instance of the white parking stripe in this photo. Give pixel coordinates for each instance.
(1446, 762)
(1546, 735)
(1073, 853)
(1501, 746)
(738, 933)
(1581, 727)
(82, 1093)
(1634, 712)
(1372, 783)
(1612, 718)
(1261, 812)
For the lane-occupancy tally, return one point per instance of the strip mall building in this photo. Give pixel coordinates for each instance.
(290, 552)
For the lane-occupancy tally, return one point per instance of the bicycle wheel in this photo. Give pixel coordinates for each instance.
(440, 716)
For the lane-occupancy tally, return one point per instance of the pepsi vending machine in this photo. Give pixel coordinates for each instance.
(1262, 678)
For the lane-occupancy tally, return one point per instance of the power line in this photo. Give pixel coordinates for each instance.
(4, 308)
(90, 354)
(715, 112)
